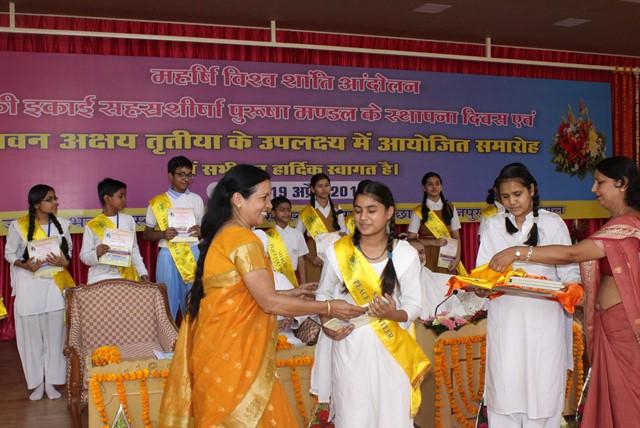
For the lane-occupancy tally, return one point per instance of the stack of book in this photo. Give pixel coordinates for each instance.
(530, 286)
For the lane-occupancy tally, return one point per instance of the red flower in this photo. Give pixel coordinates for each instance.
(323, 416)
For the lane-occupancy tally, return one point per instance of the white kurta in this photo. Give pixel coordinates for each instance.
(295, 243)
(368, 387)
(529, 340)
(88, 255)
(38, 312)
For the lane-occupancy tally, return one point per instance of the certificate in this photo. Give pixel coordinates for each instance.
(336, 324)
(39, 250)
(182, 220)
(447, 253)
(120, 244)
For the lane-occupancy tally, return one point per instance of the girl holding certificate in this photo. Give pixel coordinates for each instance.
(432, 222)
(529, 340)
(374, 371)
(37, 282)
(318, 219)
(113, 197)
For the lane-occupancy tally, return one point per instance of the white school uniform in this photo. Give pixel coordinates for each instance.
(187, 199)
(529, 340)
(415, 222)
(88, 255)
(325, 211)
(368, 388)
(295, 243)
(38, 311)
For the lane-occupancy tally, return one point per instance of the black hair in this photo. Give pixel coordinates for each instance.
(447, 210)
(108, 187)
(312, 198)
(518, 172)
(279, 200)
(178, 162)
(36, 195)
(624, 169)
(241, 179)
(381, 193)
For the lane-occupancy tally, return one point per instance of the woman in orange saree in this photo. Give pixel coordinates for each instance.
(223, 371)
(610, 268)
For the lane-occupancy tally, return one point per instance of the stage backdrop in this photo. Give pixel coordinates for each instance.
(71, 120)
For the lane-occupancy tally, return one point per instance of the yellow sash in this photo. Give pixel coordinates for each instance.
(489, 211)
(440, 230)
(3, 309)
(62, 279)
(98, 226)
(312, 221)
(280, 256)
(180, 251)
(350, 222)
(363, 284)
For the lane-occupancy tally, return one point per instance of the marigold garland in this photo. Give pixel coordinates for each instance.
(105, 355)
(292, 363)
(141, 376)
(283, 344)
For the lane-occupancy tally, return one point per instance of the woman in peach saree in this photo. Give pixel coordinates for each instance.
(610, 268)
(223, 371)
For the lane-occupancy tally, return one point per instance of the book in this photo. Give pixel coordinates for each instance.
(120, 244)
(40, 250)
(182, 220)
(447, 253)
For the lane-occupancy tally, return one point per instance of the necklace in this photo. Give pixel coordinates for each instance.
(372, 258)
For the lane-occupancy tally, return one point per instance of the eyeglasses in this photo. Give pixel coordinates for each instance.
(50, 199)
(183, 176)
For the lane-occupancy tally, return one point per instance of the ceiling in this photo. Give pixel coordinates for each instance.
(613, 27)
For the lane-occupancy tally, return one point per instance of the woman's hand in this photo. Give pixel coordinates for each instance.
(31, 265)
(501, 261)
(317, 261)
(101, 250)
(382, 307)
(57, 260)
(340, 333)
(304, 291)
(345, 311)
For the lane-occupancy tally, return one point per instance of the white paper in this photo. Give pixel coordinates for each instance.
(182, 220)
(447, 253)
(39, 250)
(120, 244)
(324, 241)
(162, 355)
(336, 324)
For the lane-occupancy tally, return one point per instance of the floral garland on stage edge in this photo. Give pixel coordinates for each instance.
(577, 146)
(141, 376)
(445, 322)
(292, 363)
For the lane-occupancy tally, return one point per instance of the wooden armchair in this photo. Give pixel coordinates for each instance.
(130, 315)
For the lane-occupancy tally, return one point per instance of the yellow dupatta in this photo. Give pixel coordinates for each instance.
(62, 279)
(98, 226)
(350, 222)
(312, 221)
(440, 230)
(363, 284)
(180, 251)
(279, 256)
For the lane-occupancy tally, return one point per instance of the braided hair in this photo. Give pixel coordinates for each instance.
(312, 197)
(36, 195)
(447, 210)
(241, 179)
(519, 172)
(381, 193)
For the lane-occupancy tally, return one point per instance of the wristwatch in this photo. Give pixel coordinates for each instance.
(518, 253)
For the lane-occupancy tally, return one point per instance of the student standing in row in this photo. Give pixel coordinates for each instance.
(113, 197)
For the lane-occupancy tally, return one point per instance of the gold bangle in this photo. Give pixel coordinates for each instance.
(328, 308)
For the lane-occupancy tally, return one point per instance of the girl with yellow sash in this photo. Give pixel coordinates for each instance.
(223, 373)
(433, 221)
(39, 305)
(319, 217)
(113, 196)
(375, 370)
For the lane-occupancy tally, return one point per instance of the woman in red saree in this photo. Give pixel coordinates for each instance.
(610, 269)
(223, 373)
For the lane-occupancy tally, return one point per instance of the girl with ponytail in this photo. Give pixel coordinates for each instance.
(39, 304)
(529, 345)
(371, 268)
(423, 227)
(227, 341)
(317, 218)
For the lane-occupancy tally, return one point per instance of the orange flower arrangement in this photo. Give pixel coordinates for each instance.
(292, 363)
(105, 355)
(283, 344)
(141, 376)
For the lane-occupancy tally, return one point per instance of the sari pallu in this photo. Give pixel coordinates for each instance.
(613, 336)
(223, 372)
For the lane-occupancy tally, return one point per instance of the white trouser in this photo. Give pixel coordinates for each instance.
(521, 420)
(40, 340)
